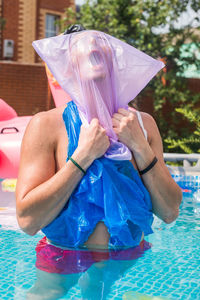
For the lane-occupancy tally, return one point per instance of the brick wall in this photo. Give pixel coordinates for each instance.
(1, 16)
(23, 84)
(10, 10)
(26, 30)
(25, 22)
(58, 5)
(194, 85)
(25, 87)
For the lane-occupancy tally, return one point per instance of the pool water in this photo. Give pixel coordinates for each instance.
(170, 269)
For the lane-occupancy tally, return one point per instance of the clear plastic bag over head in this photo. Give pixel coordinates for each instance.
(101, 74)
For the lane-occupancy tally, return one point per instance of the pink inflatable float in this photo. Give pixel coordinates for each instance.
(59, 95)
(12, 130)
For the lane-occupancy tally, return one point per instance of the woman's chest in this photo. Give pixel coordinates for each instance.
(61, 152)
(62, 148)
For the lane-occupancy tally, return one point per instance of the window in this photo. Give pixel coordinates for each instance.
(51, 29)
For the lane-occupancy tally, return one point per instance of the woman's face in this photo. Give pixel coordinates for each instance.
(91, 55)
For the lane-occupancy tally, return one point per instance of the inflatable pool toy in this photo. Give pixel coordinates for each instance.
(12, 129)
(7, 112)
(130, 295)
(59, 95)
(7, 194)
(9, 185)
(186, 191)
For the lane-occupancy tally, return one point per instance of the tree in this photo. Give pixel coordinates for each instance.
(150, 26)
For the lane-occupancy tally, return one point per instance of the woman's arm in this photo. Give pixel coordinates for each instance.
(165, 193)
(41, 193)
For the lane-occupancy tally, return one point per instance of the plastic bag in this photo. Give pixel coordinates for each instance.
(111, 191)
(101, 74)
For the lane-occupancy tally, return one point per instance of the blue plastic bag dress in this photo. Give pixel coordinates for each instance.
(111, 191)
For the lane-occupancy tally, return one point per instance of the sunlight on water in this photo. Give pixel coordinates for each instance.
(169, 270)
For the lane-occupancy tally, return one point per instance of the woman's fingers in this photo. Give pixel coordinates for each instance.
(118, 116)
(123, 112)
(94, 121)
(123, 117)
(115, 122)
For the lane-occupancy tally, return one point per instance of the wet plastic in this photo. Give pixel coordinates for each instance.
(111, 191)
(101, 74)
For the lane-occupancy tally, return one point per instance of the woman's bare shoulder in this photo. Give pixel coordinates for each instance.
(150, 126)
(46, 125)
(147, 118)
(51, 117)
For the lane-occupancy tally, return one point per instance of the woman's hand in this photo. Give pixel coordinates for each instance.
(128, 130)
(93, 140)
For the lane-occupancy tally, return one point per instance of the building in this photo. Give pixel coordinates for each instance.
(23, 83)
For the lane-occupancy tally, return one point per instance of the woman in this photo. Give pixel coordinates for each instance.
(103, 197)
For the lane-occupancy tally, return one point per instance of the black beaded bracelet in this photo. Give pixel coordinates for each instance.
(152, 164)
(77, 165)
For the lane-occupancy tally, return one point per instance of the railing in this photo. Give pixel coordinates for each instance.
(188, 161)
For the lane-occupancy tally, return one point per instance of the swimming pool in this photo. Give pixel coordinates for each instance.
(170, 269)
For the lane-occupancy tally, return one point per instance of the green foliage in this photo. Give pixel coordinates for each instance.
(143, 24)
(192, 142)
(70, 18)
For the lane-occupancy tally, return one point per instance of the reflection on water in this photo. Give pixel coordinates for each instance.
(58, 270)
